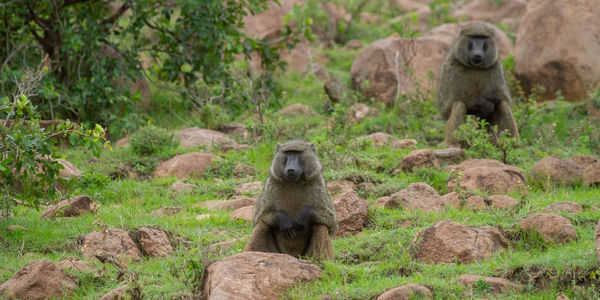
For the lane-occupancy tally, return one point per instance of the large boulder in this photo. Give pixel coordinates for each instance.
(39, 280)
(497, 284)
(389, 67)
(154, 241)
(591, 175)
(192, 164)
(406, 292)
(487, 175)
(112, 242)
(418, 196)
(71, 207)
(195, 137)
(490, 10)
(557, 46)
(255, 275)
(423, 158)
(351, 213)
(554, 170)
(554, 228)
(449, 242)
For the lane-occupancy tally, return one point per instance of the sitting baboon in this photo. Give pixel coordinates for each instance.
(472, 82)
(294, 214)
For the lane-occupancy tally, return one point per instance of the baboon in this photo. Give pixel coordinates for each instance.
(294, 214)
(472, 82)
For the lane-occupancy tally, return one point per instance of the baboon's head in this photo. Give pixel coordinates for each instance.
(295, 160)
(476, 46)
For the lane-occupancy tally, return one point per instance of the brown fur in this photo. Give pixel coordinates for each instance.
(461, 84)
(278, 194)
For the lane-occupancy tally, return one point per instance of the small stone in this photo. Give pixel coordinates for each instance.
(406, 292)
(423, 158)
(351, 213)
(166, 211)
(244, 213)
(570, 207)
(155, 242)
(498, 285)
(180, 186)
(554, 228)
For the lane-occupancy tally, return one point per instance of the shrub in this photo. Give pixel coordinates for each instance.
(150, 140)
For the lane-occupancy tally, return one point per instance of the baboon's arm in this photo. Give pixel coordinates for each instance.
(457, 118)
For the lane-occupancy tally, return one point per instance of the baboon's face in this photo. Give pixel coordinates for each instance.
(292, 168)
(478, 47)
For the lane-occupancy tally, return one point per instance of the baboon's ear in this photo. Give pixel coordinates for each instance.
(312, 146)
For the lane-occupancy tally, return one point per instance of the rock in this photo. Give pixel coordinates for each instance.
(554, 48)
(71, 207)
(502, 201)
(112, 242)
(510, 24)
(591, 175)
(471, 201)
(166, 211)
(255, 275)
(351, 213)
(449, 155)
(369, 18)
(195, 137)
(570, 207)
(123, 142)
(448, 32)
(490, 10)
(224, 246)
(354, 45)
(75, 264)
(411, 5)
(203, 217)
(584, 161)
(244, 170)
(554, 228)
(387, 65)
(227, 204)
(334, 90)
(358, 112)
(180, 186)
(249, 187)
(383, 201)
(418, 196)
(381, 139)
(245, 213)
(192, 164)
(296, 109)
(119, 293)
(423, 158)
(299, 58)
(235, 129)
(38, 280)
(155, 242)
(562, 296)
(498, 285)
(16, 227)
(268, 24)
(406, 292)
(450, 242)
(339, 186)
(552, 169)
(597, 241)
(69, 170)
(488, 175)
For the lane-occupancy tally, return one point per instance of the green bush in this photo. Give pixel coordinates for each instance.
(150, 140)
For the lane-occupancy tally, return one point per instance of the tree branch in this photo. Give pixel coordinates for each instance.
(116, 15)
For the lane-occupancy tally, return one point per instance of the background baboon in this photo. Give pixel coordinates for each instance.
(472, 82)
(294, 214)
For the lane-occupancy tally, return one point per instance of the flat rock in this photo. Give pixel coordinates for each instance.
(166, 211)
(38, 280)
(192, 164)
(418, 196)
(497, 284)
(249, 187)
(112, 242)
(570, 207)
(155, 242)
(503, 201)
(69, 170)
(351, 213)
(423, 158)
(554, 170)
(256, 275)
(244, 213)
(180, 186)
(340, 186)
(554, 228)
(451, 155)
(381, 139)
(591, 175)
(450, 242)
(195, 137)
(227, 204)
(406, 292)
(71, 207)
(75, 264)
(496, 180)
(296, 109)
(358, 112)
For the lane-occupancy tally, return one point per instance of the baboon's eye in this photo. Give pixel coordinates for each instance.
(470, 45)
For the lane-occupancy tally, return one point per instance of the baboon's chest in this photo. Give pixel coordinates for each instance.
(293, 199)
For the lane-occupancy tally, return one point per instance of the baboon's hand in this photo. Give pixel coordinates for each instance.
(286, 226)
(304, 218)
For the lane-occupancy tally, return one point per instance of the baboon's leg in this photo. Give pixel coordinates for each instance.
(262, 239)
(457, 118)
(320, 246)
(503, 117)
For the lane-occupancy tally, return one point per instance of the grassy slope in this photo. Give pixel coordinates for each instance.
(365, 265)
